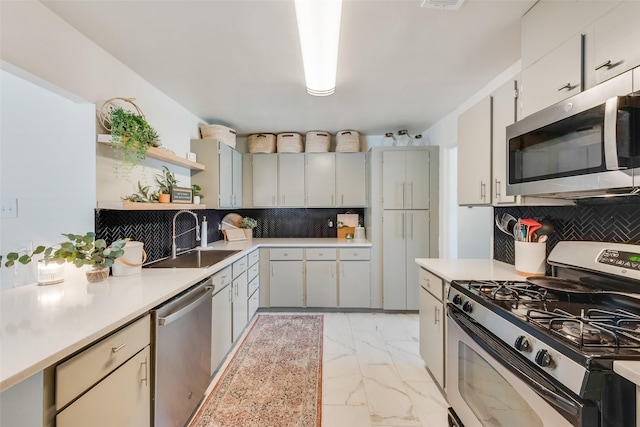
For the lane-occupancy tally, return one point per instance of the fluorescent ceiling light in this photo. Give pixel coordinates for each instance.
(319, 31)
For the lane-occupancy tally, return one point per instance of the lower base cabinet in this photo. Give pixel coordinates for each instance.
(432, 329)
(221, 338)
(286, 284)
(321, 284)
(355, 284)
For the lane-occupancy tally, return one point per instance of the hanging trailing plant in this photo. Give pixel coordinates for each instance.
(131, 135)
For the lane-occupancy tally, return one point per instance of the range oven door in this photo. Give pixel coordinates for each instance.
(586, 144)
(489, 384)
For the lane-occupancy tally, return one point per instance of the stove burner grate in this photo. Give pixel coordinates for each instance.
(509, 291)
(593, 328)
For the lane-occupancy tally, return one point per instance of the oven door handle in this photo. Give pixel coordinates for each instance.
(510, 360)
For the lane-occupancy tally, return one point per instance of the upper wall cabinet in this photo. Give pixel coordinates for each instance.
(321, 179)
(636, 80)
(616, 41)
(474, 154)
(351, 178)
(405, 174)
(291, 180)
(557, 76)
(221, 181)
(503, 106)
(265, 180)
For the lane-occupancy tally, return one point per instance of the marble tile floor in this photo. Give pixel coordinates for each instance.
(373, 375)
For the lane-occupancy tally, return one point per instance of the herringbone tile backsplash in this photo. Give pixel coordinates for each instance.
(613, 221)
(154, 228)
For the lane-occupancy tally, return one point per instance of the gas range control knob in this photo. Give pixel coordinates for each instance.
(522, 343)
(467, 307)
(457, 299)
(543, 358)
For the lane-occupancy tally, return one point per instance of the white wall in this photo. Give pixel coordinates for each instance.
(457, 239)
(48, 164)
(38, 41)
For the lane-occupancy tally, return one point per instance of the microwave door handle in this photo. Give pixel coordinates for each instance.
(610, 138)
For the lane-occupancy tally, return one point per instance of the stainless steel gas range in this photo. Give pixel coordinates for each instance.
(540, 352)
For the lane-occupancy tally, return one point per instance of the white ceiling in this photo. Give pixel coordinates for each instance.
(238, 62)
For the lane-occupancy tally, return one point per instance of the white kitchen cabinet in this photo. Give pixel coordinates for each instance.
(636, 80)
(291, 180)
(432, 333)
(474, 154)
(354, 278)
(222, 178)
(616, 41)
(121, 399)
(321, 284)
(503, 114)
(221, 319)
(265, 180)
(320, 179)
(286, 278)
(406, 177)
(405, 237)
(351, 188)
(556, 76)
(239, 297)
(253, 288)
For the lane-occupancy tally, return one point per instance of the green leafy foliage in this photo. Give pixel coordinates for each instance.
(166, 180)
(248, 222)
(144, 195)
(197, 190)
(131, 135)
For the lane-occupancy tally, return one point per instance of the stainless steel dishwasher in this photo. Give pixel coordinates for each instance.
(181, 354)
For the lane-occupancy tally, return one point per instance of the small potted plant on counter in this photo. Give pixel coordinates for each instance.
(80, 250)
(165, 181)
(197, 194)
(248, 224)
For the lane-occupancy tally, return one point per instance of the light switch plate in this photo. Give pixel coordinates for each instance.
(9, 208)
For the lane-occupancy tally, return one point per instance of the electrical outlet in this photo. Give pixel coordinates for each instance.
(9, 208)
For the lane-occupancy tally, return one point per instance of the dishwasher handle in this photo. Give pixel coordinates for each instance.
(186, 303)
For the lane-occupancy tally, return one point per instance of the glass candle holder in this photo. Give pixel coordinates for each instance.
(50, 273)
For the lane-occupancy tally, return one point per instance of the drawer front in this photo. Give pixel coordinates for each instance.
(254, 257)
(357, 254)
(253, 286)
(239, 266)
(221, 279)
(79, 373)
(431, 283)
(321, 254)
(253, 272)
(285, 254)
(253, 303)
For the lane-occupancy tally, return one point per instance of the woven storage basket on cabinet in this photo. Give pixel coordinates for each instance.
(289, 143)
(317, 142)
(219, 132)
(262, 143)
(347, 141)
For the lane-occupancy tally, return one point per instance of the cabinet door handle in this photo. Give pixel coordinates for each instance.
(342, 200)
(271, 270)
(403, 226)
(568, 86)
(403, 189)
(342, 269)
(410, 221)
(497, 189)
(118, 348)
(333, 272)
(437, 315)
(609, 64)
(411, 195)
(483, 190)
(230, 294)
(332, 200)
(145, 380)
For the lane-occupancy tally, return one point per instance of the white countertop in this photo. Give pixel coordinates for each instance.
(628, 369)
(40, 325)
(469, 269)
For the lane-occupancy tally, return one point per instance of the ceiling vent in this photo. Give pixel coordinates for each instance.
(442, 4)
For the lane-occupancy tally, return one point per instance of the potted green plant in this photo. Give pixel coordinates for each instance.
(131, 135)
(165, 181)
(197, 193)
(248, 224)
(80, 250)
(144, 195)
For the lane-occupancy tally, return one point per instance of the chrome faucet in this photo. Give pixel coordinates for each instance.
(174, 250)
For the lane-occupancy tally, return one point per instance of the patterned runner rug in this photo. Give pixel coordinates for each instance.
(274, 378)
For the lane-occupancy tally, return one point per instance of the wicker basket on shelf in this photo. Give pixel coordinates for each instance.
(347, 141)
(262, 143)
(219, 132)
(289, 143)
(317, 142)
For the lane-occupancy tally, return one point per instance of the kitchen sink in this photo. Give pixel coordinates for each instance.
(193, 259)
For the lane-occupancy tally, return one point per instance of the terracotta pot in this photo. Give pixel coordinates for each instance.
(164, 198)
(97, 275)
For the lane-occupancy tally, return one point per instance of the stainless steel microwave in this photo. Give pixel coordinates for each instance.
(586, 145)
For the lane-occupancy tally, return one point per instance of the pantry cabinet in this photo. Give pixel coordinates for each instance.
(222, 178)
(616, 41)
(474, 154)
(406, 237)
(320, 179)
(405, 175)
